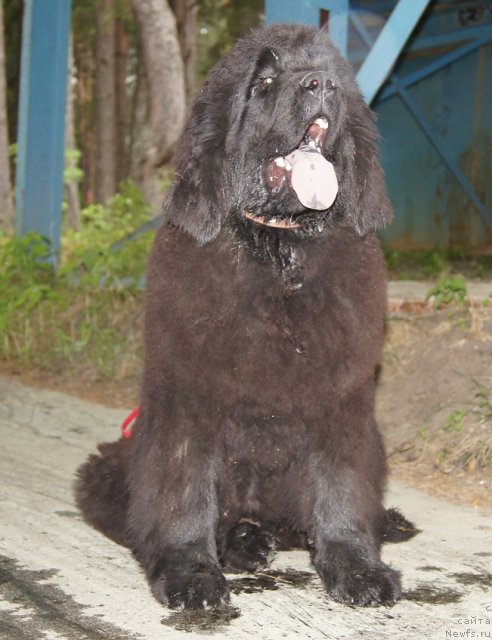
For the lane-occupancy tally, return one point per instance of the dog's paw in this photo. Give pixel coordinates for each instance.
(248, 548)
(371, 586)
(191, 586)
(352, 580)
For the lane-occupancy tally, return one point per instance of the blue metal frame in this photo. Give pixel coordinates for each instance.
(41, 135)
(308, 12)
(436, 65)
(386, 49)
(399, 87)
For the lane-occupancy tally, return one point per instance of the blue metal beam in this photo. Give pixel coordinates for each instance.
(41, 135)
(309, 12)
(388, 46)
(454, 37)
(450, 162)
(290, 11)
(436, 65)
(398, 87)
(338, 17)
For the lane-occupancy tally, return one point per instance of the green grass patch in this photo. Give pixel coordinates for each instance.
(84, 316)
(454, 422)
(448, 290)
(432, 264)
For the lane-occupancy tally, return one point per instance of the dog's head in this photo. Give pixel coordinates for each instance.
(280, 137)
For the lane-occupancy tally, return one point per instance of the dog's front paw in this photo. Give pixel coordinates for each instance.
(352, 580)
(370, 586)
(191, 585)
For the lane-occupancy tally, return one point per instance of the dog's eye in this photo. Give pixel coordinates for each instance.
(266, 82)
(262, 84)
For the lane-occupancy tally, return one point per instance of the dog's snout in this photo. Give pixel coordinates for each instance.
(317, 81)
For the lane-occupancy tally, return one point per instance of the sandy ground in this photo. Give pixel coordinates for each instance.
(61, 580)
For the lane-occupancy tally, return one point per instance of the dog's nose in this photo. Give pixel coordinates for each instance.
(317, 81)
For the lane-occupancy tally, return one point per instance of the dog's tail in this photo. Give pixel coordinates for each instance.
(101, 491)
(397, 528)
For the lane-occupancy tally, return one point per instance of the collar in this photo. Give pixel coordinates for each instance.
(276, 223)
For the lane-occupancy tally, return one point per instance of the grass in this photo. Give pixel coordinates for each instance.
(448, 290)
(81, 317)
(454, 422)
(85, 318)
(436, 263)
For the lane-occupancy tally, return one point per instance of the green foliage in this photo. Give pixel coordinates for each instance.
(72, 171)
(422, 264)
(454, 422)
(57, 319)
(87, 257)
(448, 290)
(484, 402)
(220, 24)
(412, 265)
(26, 277)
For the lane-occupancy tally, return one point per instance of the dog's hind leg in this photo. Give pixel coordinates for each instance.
(247, 547)
(101, 491)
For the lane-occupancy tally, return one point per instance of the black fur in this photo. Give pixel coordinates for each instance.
(257, 424)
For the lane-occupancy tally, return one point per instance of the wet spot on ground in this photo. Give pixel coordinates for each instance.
(209, 621)
(270, 580)
(429, 594)
(482, 580)
(206, 621)
(35, 609)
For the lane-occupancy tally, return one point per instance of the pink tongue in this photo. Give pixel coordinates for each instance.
(313, 179)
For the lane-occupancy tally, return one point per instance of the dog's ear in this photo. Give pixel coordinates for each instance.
(365, 197)
(196, 202)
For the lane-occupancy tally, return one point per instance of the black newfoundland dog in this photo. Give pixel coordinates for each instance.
(264, 324)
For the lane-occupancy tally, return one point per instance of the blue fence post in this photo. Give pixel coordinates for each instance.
(385, 51)
(309, 12)
(41, 134)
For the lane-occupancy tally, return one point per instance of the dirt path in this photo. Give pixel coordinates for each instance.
(59, 579)
(434, 399)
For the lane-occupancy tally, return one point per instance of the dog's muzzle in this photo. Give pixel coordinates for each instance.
(305, 170)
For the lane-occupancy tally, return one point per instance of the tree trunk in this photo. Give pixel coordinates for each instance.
(105, 102)
(71, 188)
(121, 101)
(186, 12)
(6, 204)
(166, 88)
(138, 128)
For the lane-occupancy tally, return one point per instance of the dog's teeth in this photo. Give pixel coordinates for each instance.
(280, 162)
(321, 122)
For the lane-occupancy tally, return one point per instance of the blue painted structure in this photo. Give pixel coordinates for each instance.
(387, 48)
(40, 161)
(434, 111)
(315, 13)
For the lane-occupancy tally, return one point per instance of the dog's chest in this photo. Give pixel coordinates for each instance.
(242, 333)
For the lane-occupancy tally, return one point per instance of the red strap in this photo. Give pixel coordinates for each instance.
(126, 430)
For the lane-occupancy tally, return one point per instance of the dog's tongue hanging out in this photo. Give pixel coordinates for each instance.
(310, 174)
(313, 178)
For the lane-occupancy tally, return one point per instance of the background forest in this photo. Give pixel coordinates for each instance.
(135, 66)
